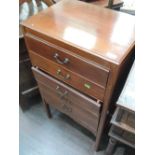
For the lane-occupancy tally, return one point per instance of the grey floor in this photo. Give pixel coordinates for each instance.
(57, 136)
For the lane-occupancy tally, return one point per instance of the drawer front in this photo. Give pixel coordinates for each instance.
(67, 100)
(95, 73)
(124, 119)
(122, 136)
(67, 76)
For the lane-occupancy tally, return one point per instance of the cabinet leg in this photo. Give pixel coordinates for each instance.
(47, 108)
(101, 128)
(111, 146)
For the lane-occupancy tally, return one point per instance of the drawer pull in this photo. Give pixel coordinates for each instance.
(62, 95)
(65, 61)
(63, 77)
(88, 86)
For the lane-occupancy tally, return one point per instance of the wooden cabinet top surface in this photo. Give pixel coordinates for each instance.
(99, 31)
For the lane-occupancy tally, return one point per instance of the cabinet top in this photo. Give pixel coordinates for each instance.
(102, 32)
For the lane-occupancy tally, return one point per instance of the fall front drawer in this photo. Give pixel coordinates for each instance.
(93, 72)
(67, 100)
(75, 80)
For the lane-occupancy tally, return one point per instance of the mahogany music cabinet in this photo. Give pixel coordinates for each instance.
(79, 52)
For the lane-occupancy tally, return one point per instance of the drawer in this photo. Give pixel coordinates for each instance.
(67, 100)
(122, 135)
(124, 119)
(65, 75)
(66, 59)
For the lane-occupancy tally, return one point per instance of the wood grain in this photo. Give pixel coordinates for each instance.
(75, 63)
(75, 80)
(74, 104)
(99, 31)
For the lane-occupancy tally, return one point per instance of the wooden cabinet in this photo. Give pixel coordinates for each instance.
(79, 53)
(123, 120)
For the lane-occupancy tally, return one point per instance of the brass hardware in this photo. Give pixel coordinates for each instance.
(62, 95)
(58, 71)
(87, 85)
(65, 61)
(67, 76)
(63, 77)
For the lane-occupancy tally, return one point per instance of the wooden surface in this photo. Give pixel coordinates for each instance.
(75, 63)
(123, 120)
(101, 32)
(74, 79)
(127, 97)
(82, 109)
(48, 2)
(98, 36)
(122, 136)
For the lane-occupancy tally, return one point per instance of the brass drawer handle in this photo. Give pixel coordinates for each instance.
(65, 61)
(63, 77)
(62, 95)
